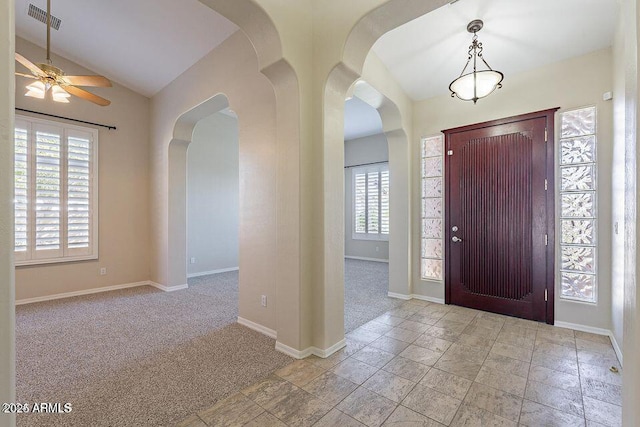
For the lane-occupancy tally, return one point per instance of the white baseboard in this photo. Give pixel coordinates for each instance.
(258, 327)
(168, 288)
(359, 258)
(207, 273)
(415, 296)
(329, 351)
(289, 351)
(593, 330)
(80, 293)
(398, 296)
(301, 354)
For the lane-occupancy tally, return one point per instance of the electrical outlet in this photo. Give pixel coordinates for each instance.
(103, 271)
(377, 248)
(193, 260)
(264, 300)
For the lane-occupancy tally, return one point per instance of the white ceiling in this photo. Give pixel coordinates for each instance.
(141, 44)
(426, 54)
(360, 119)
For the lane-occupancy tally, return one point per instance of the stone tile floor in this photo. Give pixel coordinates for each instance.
(426, 364)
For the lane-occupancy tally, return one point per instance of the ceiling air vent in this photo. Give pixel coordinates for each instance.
(41, 15)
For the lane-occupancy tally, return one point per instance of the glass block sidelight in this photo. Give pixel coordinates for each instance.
(432, 206)
(578, 209)
(577, 286)
(578, 232)
(432, 166)
(432, 147)
(432, 248)
(578, 150)
(432, 187)
(579, 122)
(432, 269)
(578, 205)
(578, 258)
(432, 228)
(578, 178)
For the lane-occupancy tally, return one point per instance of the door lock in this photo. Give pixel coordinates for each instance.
(454, 228)
(456, 239)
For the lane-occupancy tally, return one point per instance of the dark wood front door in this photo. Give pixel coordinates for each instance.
(499, 216)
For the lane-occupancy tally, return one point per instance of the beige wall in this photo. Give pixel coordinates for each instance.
(231, 72)
(569, 84)
(356, 152)
(7, 290)
(123, 188)
(212, 195)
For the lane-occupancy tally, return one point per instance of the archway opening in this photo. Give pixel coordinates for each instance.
(213, 210)
(367, 177)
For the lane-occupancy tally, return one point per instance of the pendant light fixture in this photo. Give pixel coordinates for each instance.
(477, 83)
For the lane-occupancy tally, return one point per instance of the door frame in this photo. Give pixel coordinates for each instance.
(549, 116)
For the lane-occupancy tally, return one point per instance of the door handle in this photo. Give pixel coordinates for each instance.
(456, 239)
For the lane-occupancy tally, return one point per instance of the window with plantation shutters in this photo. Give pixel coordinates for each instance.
(371, 202)
(55, 192)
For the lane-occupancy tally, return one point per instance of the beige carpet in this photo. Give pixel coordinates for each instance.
(138, 356)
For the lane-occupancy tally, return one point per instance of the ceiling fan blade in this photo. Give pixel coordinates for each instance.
(97, 81)
(30, 65)
(81, 93)
(29, 76)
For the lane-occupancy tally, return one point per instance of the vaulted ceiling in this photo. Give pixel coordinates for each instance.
(426, 54)
(145, 44)
(142, 44)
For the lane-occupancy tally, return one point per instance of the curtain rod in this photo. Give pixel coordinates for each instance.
(366, 164)
(66, 118)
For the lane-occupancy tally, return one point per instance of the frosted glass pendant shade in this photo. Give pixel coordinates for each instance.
(476, 85)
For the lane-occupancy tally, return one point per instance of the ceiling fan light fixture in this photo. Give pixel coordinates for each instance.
(477, 83)
(36, 90)
(59, 94)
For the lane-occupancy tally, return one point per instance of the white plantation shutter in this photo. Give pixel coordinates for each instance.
(384, 202)
(78, 192)
(360, 200)
(371, 202)
(55, 192)
(21, 195)
(48, 187)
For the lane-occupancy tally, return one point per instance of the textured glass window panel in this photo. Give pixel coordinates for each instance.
(578, 232)
(432, 269)
(432, 147)
(578, 178)
(432, 208)
(579, 122)
(432, 187)
(432, 248)
(578, 205)
(432, 166)
(578, 150)
(578, 286)
(432, 228)
(579, 258)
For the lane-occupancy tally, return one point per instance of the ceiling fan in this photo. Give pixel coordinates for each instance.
(51, 79)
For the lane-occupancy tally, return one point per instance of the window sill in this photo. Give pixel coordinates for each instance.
(37, 262)
(371, 237)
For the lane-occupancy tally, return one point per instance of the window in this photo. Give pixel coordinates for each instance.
(578, 213)
(55, 192)
(431, 159)
(371, 202)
